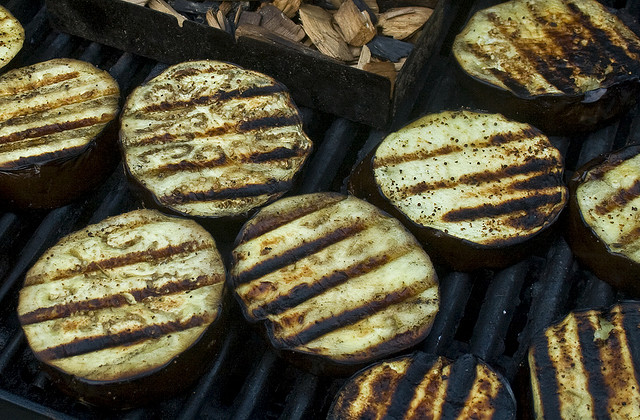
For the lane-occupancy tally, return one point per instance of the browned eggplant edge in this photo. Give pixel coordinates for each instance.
(445, 249)
(59, 180)
(614, 268)
(166, 381)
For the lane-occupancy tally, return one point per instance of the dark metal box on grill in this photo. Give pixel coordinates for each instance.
(315, 80)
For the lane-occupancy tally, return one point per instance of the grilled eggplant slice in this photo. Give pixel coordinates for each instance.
(58, 132)
(476, 189)
(212, 140)
(126, 310)
(604, 227)
(11, 36)
(423, 386)
(585, 366)
(336, 282)
(562, 65)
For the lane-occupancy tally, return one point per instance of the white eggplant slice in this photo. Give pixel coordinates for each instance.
(562, 65)
(114, 310)
(335, 281)
(11, 36)
(477, 189)
(585, 366)
(423, 386)
(604, 227)
(210, 139)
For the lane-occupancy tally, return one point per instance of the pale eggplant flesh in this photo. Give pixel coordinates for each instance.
(11, 37)
(478, 190)
(125, 311)
(335, 282)
(565, 66)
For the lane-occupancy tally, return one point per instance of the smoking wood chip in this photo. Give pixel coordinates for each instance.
(274, 20)
(317, 24)
(402, 22)
(356, 25)
(288, 7)
(163, 6)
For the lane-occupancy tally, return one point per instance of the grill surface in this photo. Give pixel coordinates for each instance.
(491, 314)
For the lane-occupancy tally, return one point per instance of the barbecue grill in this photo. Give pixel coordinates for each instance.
(491, 314)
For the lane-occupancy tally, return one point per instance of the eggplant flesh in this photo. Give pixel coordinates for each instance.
(11, 36)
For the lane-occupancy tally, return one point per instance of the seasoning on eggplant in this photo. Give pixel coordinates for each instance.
(477, 189)
(58, 132)
(585, 366)
(604, 225)
(423, 386)
(11, 36)
(336, 282)
(210, 139)
(562, 65)
(127, 310)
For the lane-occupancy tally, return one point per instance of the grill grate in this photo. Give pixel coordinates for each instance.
(487, 313)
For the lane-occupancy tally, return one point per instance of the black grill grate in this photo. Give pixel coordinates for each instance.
(490, 314)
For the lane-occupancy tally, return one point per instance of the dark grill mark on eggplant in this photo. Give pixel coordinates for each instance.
(630, 322)
(630, 238)
(461, 378)
(40, 83)
(279, 153)
(592, 365)
(130, 336)
(420, 365)
(539, 182)
(612, 162)
(269, 122)
(419, 155)
(546, 374)
(115, 301)
(505, 207)
(251, 92)
(249, 190)
(499, 139)
(347, 317)
(189, 165)
(619, 199)
(527, 221)
(55, 128)
(304, 292)
(291, 255)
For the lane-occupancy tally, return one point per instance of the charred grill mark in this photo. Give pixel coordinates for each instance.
(621, 198)
(128, 337)
(115, 301)
(528, 221)
(613, 162)
(629, 238)
(418, 155)
(630, 322)
(304, 292)
(264, 225)
(43, 157)
(513, 84)
(49, 129)
(39, 83)
(189, 166)
(592, 367)
(505, 207)
(252, 92)
(291, 255)
(269, 122)
(463, 374)
(542, 181)
(347, 317)
(279, 153)
(270, 187)
(149, 255)
(420, 365)
(546, 373)
(498, 139)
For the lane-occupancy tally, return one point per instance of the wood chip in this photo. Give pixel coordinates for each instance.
(249, 18)
(356, 26)
(138, 2)
(365, 57)
(162, 6)
(372, 5)
(276, 21)
(402, 22)
(212, 20)
(288, 7)
(317, 24)
(383, 68)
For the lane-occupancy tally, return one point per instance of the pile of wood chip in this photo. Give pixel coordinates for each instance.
(354, 32)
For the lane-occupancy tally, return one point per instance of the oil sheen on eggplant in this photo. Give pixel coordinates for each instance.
(11, 37)
(585, 366)
(564, 66)
(336, 282)
(58, 132)
(478, 190)
(125, 311)
(604, 225)
(212, 140)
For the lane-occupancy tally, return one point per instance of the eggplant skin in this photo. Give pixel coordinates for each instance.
(209, 139)
(565, 66)
(423, 386)
(335, 282)
(478, 190)
(58, 132)
(11, 37)
(127, 310)
(584, 366)
(603, 217)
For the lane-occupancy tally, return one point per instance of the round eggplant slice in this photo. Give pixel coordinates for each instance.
(212, 140)
(422, 386)
(476, 189)
(128, 310)
(11, 37)
(585, 366)
(58, 132)
(336, 282)
(562, 65)
(604, 222)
